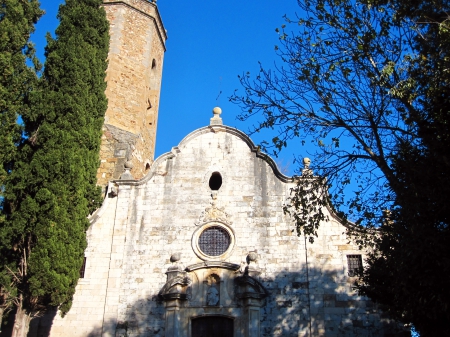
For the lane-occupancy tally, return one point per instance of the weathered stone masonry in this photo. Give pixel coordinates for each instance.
(147, 272)
(135, 62)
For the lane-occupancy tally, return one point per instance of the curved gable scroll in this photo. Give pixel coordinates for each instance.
(207, 129)
(246, 139)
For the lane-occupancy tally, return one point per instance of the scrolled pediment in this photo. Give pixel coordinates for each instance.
(175, 287)
(213, 264)
(249, 287)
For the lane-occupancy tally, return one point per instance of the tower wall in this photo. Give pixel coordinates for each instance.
(135, 62)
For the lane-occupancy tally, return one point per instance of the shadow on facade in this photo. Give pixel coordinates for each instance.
(317, 301)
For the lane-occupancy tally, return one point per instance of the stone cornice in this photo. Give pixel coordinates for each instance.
(213, 264)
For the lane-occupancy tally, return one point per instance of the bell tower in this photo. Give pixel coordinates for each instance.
(135, 62)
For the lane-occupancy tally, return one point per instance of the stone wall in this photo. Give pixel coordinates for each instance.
(296, 288)
(135, 62)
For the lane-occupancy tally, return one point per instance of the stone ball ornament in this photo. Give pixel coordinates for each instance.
(252, 257)
(129, 164)
(306, 162)
(175, 257)
(216, 119)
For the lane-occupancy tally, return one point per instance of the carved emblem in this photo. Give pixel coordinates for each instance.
(214, 213)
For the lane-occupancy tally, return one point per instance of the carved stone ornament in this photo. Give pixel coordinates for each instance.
(175, 257)
(306, 171)
(216, 120)
(249, 287)
(213, 292)
(214, 213)
(212, 296)
(178, 281)
(127, 174)
(252, 257)
(176, 287)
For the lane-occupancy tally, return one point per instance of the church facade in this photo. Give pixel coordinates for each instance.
(196, 243)
(200, 246)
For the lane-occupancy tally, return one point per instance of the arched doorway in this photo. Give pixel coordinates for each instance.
(216, 326)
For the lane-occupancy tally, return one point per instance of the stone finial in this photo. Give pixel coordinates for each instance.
(216, 120)
(176, 264)
(306, 162)
(252, 257)
(306, 170)
(252, 268)
(128, 164)
(175, 257)
(127, 174)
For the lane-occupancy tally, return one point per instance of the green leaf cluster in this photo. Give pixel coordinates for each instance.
(52, 187)
(17, 81)
(408, 272)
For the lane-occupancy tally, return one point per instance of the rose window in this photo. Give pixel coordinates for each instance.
(214, 241)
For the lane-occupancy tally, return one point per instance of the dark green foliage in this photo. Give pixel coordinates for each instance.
(17, 80)
(17, 19)
(52, 188)
(369, 82)
(408, 272)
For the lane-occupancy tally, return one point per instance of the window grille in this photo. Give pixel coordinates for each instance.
(354, 264)
(214, 241)
(83, 268)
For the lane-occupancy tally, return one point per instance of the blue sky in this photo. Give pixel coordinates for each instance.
(210, 43)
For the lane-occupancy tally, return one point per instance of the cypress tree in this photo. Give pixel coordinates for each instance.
(17, 80)
(53, 188)
(17, 19)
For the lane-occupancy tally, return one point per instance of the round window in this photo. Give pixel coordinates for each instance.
(214, 241)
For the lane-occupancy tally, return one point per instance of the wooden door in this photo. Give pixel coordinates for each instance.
(212, 326)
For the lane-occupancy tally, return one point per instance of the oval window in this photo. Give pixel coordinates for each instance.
(215, 182)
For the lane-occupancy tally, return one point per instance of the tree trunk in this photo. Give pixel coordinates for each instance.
(1, 318)
(21, 323)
